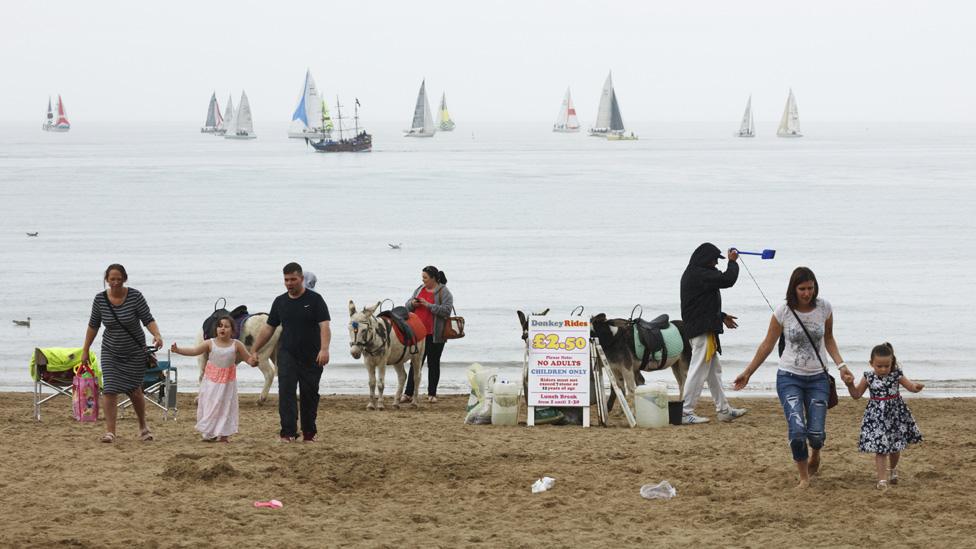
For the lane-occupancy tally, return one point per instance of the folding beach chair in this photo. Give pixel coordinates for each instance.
(53, 368)
(159, 387)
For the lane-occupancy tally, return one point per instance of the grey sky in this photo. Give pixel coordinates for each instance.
(499, 62)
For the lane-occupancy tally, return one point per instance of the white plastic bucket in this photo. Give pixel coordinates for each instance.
(651, 404)
(505, 403)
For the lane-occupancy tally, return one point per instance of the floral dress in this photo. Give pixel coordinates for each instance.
(888, 425)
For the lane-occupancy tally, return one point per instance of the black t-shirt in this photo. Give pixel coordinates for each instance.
(299, 320)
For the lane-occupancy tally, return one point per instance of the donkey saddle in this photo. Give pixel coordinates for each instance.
(408, 326)
(649, 339)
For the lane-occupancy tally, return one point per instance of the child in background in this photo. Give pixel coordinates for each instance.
(888, 426)
(217, 404)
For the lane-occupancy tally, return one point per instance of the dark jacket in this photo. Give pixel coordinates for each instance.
(701, 301)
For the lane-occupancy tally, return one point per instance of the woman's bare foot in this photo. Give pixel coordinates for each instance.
(405, 399)
(814, 465)
(223, 439)
(804, 484)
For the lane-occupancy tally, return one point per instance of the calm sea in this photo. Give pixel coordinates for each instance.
(518, 220)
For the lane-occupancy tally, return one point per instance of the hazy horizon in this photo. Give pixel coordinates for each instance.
(500, 62)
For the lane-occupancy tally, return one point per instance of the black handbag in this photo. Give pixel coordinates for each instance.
(832, 391)
(151, 360)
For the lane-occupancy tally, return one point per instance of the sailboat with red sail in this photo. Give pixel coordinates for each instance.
(61, 124)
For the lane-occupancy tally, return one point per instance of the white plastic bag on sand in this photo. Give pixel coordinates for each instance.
(661, 490)
(481, 380)
(543, 484)
(481, 414)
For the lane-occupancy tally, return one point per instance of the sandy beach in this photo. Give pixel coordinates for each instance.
(421, 478)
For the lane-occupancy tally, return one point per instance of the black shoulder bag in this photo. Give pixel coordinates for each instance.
(151, 361)
(832, 392)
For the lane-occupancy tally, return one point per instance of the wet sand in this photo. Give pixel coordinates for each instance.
(421, 478)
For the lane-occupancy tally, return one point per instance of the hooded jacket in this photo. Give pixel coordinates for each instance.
(701, 300)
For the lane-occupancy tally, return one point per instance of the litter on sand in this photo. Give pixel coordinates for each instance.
(661, 490)
(273, 504)
(543, 484)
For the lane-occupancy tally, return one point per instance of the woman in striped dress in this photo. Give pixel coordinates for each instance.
(123, 358)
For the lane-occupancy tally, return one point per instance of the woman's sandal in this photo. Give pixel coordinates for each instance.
(406, 399)
(108, 438)
(146, 436)
(892, 476)
(432, 399)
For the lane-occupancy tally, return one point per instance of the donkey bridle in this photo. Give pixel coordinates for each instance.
(369, 338)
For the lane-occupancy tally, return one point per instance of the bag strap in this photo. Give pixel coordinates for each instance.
(439, 288)
(112, 309)
(812, 344)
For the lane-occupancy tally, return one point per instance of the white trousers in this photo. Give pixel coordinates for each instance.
(700, 371)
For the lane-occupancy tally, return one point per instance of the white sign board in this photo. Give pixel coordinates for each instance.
(559, 362)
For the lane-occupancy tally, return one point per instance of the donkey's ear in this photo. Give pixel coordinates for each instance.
(352, 307)
(378, 304)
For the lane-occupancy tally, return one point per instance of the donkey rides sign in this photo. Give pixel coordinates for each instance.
(559, 364)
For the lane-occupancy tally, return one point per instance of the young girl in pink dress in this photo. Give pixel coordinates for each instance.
(217, 403)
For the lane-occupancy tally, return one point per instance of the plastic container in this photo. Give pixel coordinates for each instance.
(651, 403)
(661, 490)
(505, 403)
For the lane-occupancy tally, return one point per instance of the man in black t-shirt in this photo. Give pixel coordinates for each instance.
(302, 354)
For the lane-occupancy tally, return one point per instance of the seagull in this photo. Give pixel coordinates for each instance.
(31, 234)
(395, 246)
(22, 322)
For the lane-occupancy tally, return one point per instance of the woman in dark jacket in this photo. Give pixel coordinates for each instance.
(433, 303)
(123, 358)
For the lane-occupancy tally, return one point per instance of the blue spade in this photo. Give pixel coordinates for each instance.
(765, 254)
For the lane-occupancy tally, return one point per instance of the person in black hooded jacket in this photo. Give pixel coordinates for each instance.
(701, 311)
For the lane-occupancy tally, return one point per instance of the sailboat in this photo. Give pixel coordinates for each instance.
(446, 124)
(748, 127)
(789, 125)
(422, 124)
(566, 121)
(609, 123)
(242, 125)
(213, 116)
(228, 117)
(359, 142)
(60, 125)
(307, 121)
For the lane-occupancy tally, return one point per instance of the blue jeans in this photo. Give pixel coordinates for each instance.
(804, 401)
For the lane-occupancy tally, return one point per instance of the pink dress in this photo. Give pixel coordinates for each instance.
(217, 406)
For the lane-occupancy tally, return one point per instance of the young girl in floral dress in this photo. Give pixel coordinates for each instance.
(888, 425)
(217, 404)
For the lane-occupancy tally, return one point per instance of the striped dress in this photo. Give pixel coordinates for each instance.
(123, 360)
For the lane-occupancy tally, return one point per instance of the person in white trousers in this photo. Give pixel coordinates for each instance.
(701, 311)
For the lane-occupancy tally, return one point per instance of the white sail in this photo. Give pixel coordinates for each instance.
(243, 124)
(603, 112)
(244, 121)
(228, 117)
(566, 120)
(422, 124)
(747, 128)
(307, 118)
(789, 124)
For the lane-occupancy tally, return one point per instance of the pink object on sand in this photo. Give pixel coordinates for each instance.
(273, 504)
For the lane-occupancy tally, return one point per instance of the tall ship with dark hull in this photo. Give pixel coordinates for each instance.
(361, 141)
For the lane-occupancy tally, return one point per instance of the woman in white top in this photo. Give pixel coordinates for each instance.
(804, 320)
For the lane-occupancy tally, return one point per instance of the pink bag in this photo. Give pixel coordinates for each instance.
(84, 398)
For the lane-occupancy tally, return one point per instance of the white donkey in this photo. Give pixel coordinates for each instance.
(267, 358)
(374, 340)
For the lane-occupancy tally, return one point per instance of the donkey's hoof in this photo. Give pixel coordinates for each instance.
(379, 406)
(370, 406)
(262, 401)
(396, 405)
